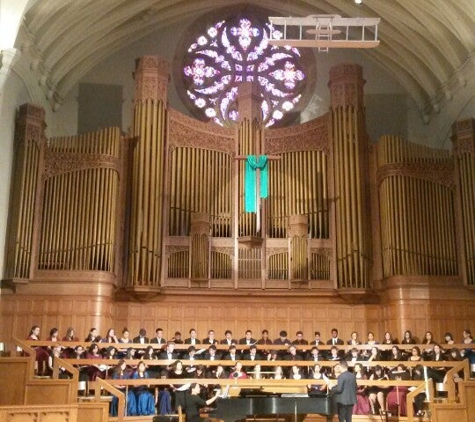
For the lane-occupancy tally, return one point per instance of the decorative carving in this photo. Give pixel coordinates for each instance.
(275, 251)
(442, 173)
(188, 132)
(224, 250)
(171, 249)
(313, 135)
(464, 144)
(63, 162)
(328, 252)
(346, 85)
(152, 75)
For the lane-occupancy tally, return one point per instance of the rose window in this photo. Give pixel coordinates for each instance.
(234, 51)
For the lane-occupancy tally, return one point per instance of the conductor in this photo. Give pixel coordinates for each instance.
(345, 393)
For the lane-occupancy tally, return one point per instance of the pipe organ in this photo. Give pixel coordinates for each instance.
(163, 209)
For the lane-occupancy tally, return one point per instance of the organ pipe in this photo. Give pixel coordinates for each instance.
(417, 209)
(148, 167)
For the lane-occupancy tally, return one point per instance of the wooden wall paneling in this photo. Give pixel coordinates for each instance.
(48, 392)
(94, 411)
(14, 377)
(41, 414)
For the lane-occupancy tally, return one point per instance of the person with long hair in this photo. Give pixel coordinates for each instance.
(377, 393)
(362, 406)
(121, 373)
(143, 396)
(41, 353)
(194, 402)
(238, 371)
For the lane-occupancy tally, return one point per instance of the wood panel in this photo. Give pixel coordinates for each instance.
(40, 414)
(438, 306)
(49, 392)
(14, 376)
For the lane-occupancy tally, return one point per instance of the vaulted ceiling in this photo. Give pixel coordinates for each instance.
(425, 44)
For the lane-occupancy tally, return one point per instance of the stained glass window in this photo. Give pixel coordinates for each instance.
(234, 51)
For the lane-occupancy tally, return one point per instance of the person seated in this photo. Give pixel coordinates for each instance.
(252, 354)
(248, 339)
(354, 339)
(415, 355)
(194, 402)
(158, 339)
(408, 338)
(299, 340)
(177, 338)
(292, 353)
(296, 373)
(93, 336)
(193, 339)
(110, 337)
(377, 393)
(362, 406)
(191, 355)
(210, 339)
(56, 353)
(335, 340)
(334, 354)
(238, 372)
(142, 337)
(354, 355)
(314, 355)
(232, 354)
(437, 373)
(317, 390)
(317, 339)
(389, 339)
(169, 352)
(396, 398)
(396, 354)
(149, 354)
(278, 373)
(69, 337)
(449, 338)
(121, 373)
(99, 370)
(418, 374)
(143, 397)
(228, 338)
(374, 355)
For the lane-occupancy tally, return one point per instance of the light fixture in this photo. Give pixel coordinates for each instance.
(359, 1)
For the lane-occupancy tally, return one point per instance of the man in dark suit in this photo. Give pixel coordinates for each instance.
(247, 339)
(142, 337)
(193, 339)
(228, 338)
(232, 354)
(345, 393)
(169, 353)
(158, 339)
(335, 341)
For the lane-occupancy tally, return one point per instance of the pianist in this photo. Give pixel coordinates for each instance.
(193, 403)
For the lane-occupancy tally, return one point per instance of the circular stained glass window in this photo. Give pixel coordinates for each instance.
(233, 50)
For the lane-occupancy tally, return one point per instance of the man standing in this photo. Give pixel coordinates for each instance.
(345, 393)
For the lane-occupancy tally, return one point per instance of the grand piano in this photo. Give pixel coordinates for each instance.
(233, 409)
